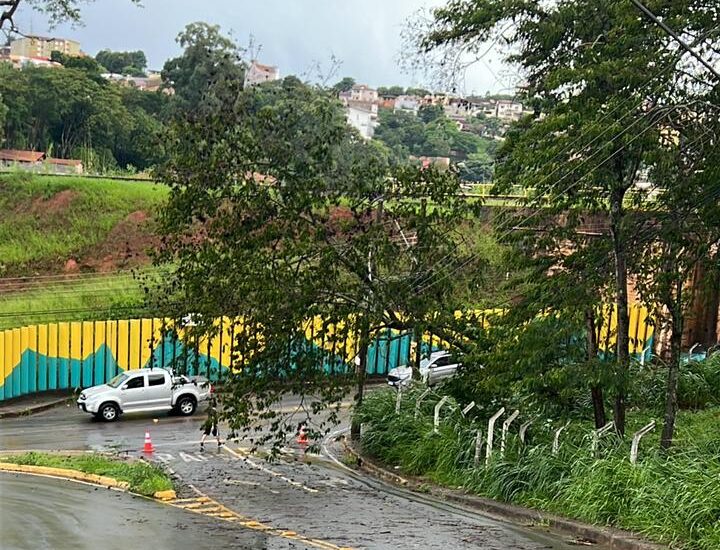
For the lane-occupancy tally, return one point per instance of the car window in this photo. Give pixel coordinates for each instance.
(118, 380)
(444, 361)
(137, 382)
(156, 379)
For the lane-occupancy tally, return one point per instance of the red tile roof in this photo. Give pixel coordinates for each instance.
(14, 155)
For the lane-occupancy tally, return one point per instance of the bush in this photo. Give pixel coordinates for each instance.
(674, 499)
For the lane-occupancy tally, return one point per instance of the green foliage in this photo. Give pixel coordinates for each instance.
(433, 134)
(208, 72)
(287, 197)
(672, 499)
(586, 65)
(344, 85)
(39, 230)
(127, 63)
(87, 64)
(75, 113)
(391, 91)
(144, 478)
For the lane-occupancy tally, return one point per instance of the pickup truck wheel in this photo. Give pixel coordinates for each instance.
(186, 405)
(109, 412)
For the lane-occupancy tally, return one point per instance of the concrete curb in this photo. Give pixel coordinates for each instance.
(612, 538)
(35, 408)
(77, 475)
(64, 473)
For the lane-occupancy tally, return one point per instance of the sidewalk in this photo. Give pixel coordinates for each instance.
(21, 406)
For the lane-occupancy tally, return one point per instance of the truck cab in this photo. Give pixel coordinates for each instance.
(144, 390)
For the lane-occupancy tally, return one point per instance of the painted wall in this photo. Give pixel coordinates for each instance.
(70, 355)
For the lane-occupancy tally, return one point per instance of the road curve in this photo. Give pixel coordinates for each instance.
(39, 512)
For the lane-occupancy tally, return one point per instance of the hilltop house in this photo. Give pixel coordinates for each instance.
(258, 73)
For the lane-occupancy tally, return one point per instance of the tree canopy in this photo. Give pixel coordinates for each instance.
(127, 63)
(609, 83)
(280, 214)
(210, 64)
(70, 113)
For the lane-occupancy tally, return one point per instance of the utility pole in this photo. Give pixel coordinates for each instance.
(675, 36)
(364, 343)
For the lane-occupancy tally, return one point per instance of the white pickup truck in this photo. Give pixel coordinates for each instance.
(144, 390)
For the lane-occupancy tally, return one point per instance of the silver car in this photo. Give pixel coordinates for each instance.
(434, 369)
(144, 390)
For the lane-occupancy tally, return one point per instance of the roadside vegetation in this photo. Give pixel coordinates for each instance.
(669, 497)
(48, 221)
(142, 477)
(74, 248)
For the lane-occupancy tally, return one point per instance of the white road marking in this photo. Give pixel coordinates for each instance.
(192, 458)
(271, 472)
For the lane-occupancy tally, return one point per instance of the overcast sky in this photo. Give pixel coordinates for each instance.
(294, 34)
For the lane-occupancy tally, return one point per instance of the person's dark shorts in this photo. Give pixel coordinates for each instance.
(211, 429)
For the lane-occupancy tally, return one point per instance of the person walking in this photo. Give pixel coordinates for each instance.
(210, 426)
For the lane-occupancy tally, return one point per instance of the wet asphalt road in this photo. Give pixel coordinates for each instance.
(39, 513)
(305, 494)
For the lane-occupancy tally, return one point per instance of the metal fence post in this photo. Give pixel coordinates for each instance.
(556, 440)
(505, 428)
(597, 434)
(398, 399)
(467, 409)
(636, 440)
(436, 420)
(423, 395)
(491, 428)
(523, 430)
(478, 446)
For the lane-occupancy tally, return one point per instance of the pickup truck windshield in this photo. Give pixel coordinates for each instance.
(118, 380)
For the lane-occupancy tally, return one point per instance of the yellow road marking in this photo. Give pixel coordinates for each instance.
(208, 507)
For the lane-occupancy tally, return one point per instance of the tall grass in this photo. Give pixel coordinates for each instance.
(85, 299)
(673, 499)
(32, 232)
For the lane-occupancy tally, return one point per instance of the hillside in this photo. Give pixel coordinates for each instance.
(67, 246)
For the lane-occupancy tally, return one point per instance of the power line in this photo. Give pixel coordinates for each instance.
(675, 36)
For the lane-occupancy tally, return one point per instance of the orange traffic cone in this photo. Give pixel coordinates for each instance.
(148, 448)
(302, 436)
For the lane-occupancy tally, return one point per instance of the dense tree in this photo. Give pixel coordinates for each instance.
(683, 231)
(87, 64)
(606, 79)
(420, 92)
(279, 213)
(128, 63)
(71, 114)
(430, 113)
(391, 91)
(344, 85)
(210, 67)
(433, 134)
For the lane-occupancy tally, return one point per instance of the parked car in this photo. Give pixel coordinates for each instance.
(436, 368)
(144, 390)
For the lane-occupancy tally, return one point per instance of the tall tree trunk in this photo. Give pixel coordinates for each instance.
(596, 392)
(360, 375)
(676, 318)
(621, 301)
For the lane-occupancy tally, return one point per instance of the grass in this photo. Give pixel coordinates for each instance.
(673, 499)
(36, 230)
(102, 297)
(143, 478)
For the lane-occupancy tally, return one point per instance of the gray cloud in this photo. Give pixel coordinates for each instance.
(294, 34)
